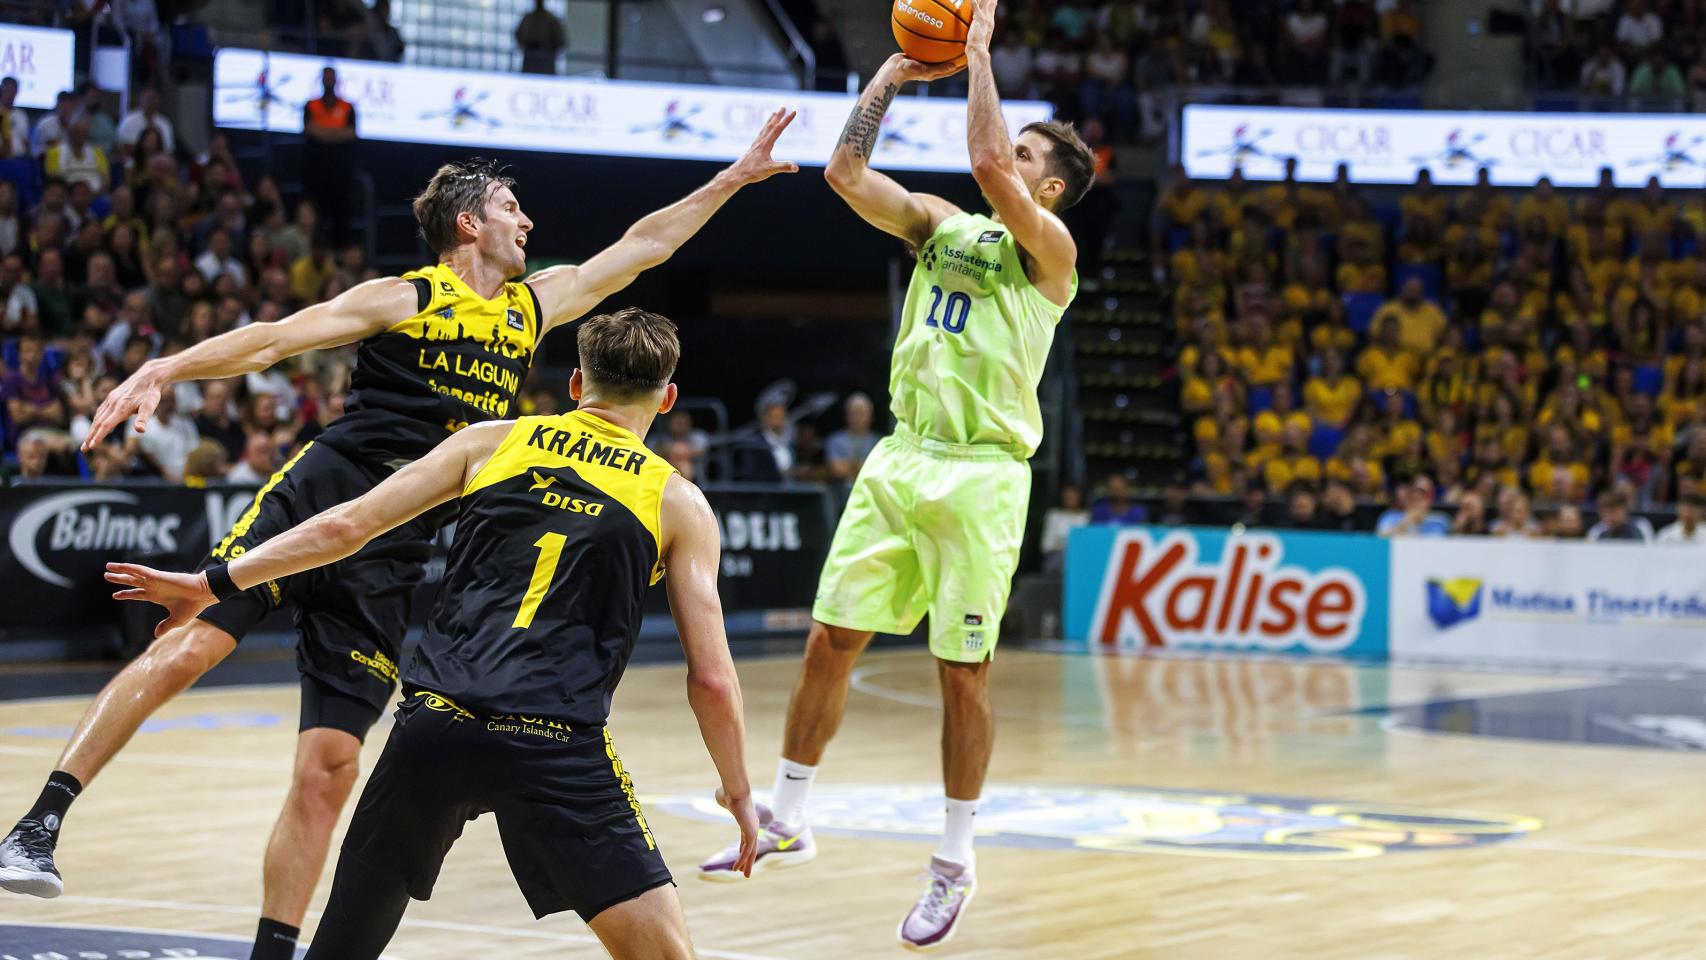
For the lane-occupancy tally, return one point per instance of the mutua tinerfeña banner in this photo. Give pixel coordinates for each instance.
(1182, 588)
(1610, 603)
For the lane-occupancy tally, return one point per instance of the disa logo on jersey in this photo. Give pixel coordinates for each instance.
(1160, 594)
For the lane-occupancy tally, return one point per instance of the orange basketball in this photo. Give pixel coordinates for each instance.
(931, 31)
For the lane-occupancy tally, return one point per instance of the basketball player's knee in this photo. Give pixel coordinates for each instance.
(324, 779)
(181, 657)
(965, 683)
(828, 656)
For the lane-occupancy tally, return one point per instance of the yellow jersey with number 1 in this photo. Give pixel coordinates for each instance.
(558, 539)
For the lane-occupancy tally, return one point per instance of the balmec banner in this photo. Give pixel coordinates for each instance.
(1546, 602)
(59, 539)
(256, 90)
(1391, 146)
(1213, 589)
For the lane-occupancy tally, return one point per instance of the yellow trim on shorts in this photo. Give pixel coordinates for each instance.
(247, 520)
(628, 788)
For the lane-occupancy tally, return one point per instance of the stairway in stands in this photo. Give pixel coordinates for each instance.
(1124, 358)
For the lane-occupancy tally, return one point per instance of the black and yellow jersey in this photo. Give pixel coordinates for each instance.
(557, 542)
(460, 359)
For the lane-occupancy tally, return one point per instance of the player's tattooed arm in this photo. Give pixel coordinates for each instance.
(866, 120)
(879, 200)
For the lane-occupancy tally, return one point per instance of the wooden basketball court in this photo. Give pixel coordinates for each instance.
(1177, 808)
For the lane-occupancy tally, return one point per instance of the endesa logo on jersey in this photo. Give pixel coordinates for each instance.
(1207, 588)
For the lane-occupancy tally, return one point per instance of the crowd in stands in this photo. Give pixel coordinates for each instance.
(1513, 356)
(1638, 48)
(117, 246)
(1116, 59)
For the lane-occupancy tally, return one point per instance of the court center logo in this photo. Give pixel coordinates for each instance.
(1451, 602)
(1138, 820)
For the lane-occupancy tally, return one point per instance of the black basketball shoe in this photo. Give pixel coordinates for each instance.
(26, 860)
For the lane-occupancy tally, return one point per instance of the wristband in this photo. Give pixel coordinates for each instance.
(220, 583)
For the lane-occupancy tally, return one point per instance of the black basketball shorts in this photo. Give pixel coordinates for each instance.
(351, 616)
(571, 827)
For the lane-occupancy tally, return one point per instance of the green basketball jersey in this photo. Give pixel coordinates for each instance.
(974, 337)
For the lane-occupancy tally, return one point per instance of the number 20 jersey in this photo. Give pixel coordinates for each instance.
(974, 339)
(557, 542)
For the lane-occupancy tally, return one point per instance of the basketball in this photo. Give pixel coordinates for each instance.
(931, 31)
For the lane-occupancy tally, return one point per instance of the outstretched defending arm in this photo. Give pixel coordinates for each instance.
(566, 292)
(1038, 231)
(691, 554)
(876, 198)
(358, 312)
(324, 538)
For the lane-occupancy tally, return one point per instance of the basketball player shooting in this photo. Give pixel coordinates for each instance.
(440, 348)
(937, 515)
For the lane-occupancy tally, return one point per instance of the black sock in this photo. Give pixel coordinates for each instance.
(274, 941)
(55, 799)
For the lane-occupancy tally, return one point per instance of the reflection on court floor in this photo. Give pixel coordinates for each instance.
(1668, 715)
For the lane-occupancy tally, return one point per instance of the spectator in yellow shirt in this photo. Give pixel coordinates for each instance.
(1420, 321)
(1559, 472)
(1230, 202)
(1335, 332)
(1200, 268)
(1653, 213)
(1580, 302)
(1398, 432)
(1641, 450)
(1445, 387)
(1264, 362)
(1422, 242)
(1446, 440)
(1356, 464)
(1682, 402)
(1385, 364)
(1468, 266)
(1334, 396)
(1482, 205)
(1293, 464)
(308, 275)
(1359, 272)
(1422, 203)
(1282, 415)
(1490, 459)
(1544, 202)
(1182, 202)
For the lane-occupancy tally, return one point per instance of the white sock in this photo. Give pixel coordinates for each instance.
(793, 782)
(957, 838)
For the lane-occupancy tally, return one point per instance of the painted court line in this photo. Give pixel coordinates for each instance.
(579, 939)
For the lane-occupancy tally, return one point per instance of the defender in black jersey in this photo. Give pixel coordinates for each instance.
(439, 349)
(565, 522)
